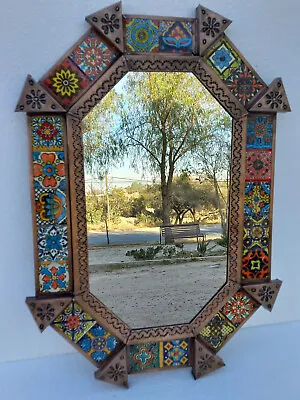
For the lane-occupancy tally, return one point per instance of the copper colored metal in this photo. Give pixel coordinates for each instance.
(265, 293)
(211, 25)
(34, 98)
(44, 311)
(115, 370)
(204, 360)
(273, 100)
(109, 22)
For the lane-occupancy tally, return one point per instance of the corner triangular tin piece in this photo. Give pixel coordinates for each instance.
(44, 311)
(109, 22)
(273, 100)
(265, 293)
(204, 360)
(34, 98)
(210, 28)
(115, 370)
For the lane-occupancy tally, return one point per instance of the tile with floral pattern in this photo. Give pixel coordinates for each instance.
(239, 308)
(256, 233)
(74, 322)
(217, 331)
(54, 277)
(259, 132)
(244, 84)
(258, 165)
(255, 264)
(49, 169)
(257, 199)
(47, 133)
(223, 58)
(98, 343)
(142, 35)
(66, 82)
(144, 356)
(52, 243)
(174, 353)
(93, 56)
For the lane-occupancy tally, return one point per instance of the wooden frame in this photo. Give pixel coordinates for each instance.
(56, 106)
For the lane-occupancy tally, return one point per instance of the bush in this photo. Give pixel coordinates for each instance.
(143, 254)
(147, 220)
(202, 247)
(169, 251)
(223, 241)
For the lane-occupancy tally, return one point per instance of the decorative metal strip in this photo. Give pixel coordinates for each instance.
(78, 216)
(236, 212)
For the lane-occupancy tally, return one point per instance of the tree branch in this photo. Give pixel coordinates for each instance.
(145, 148)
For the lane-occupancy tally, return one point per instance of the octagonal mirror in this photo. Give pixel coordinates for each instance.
(157, 162)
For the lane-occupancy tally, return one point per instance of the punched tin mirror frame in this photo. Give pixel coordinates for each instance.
(55, 108)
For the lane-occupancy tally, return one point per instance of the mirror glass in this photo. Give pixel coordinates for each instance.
(157, 162)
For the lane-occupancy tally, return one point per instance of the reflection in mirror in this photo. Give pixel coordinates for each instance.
(157, 161)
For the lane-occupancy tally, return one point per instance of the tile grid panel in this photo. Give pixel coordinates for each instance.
(175, 353)
(145, 35)
(83, 65)
(257, 200)
(53, 272)
(238, 309)
(91, 339)
(236, 73)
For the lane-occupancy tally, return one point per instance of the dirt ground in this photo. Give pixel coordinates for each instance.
(156, 294)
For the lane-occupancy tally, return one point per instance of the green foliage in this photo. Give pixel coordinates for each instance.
(189, 195)
(102, 149)
(144, 254)
(223, 241)
(202, 247)
(169, 251)
(147, 220)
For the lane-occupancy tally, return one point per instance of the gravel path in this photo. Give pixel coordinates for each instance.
(157, 295)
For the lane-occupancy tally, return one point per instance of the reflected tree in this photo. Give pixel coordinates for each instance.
(157, 121)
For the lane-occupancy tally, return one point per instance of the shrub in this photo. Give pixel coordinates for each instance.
(144, 254)
(202, 247)
(223, 241)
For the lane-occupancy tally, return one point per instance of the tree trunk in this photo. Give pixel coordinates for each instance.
(166, 194)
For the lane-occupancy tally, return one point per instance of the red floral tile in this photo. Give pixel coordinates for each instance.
(258, 165)
(239, 308)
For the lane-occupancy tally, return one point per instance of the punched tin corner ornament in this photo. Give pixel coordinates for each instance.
(55, 106)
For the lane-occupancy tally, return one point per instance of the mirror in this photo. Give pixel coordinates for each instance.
(147, 171)
(157, 164)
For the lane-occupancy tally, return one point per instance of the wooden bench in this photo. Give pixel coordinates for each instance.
(180, 232)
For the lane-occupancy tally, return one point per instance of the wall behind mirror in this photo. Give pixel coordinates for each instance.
(157, 153)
